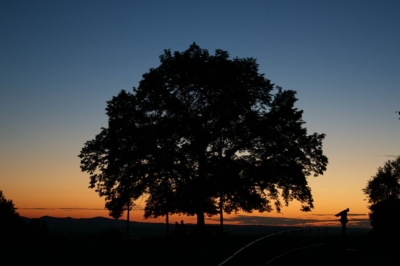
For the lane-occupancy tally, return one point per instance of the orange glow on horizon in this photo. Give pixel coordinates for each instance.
(310, 220)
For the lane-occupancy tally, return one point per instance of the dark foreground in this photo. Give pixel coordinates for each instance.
(211, 250)
(330, 250)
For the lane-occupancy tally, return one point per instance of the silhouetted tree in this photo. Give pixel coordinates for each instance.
(11, 225)
(203, 132)
(385, 216)
(383, 192)
(385, 183)
(9, 216)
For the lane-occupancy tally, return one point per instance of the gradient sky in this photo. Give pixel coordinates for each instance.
(61, 61)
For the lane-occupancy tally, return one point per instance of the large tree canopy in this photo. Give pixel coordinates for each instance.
(202, 132)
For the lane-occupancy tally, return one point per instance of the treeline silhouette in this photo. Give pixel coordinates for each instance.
(36, 233)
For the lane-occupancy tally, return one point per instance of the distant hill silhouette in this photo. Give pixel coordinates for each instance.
(83, 227)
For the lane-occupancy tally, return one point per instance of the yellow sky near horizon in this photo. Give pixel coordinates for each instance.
(49, 181)
(69, 196)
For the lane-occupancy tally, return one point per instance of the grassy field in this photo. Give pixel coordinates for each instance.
(355, 250)
(214, 249)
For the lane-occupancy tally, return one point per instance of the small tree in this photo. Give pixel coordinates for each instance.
(383, 192)
(8, 213)
(11, 225)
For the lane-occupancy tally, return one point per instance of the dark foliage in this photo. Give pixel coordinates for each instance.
(203, 130)
(15, 233)
(10, 220)
(385, 216)
(383, 192)
(385, 183)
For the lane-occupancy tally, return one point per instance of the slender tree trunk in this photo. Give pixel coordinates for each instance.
(221, 194)
(199, 194)
(127, 222)
(167, 222)
(221, 212)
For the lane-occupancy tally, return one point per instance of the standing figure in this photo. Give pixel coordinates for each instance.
(182, 228)
(176, 229)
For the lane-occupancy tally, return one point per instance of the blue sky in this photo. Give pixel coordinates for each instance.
(62, 60)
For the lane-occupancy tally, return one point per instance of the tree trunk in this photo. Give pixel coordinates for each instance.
(200, 227)
(127, 222)
(221, 212)
(167, 223)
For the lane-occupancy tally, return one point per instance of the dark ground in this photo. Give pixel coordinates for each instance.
(70, 241)
(210, 250)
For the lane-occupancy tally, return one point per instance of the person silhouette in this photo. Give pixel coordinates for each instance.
(182, 228)
(176, 229)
